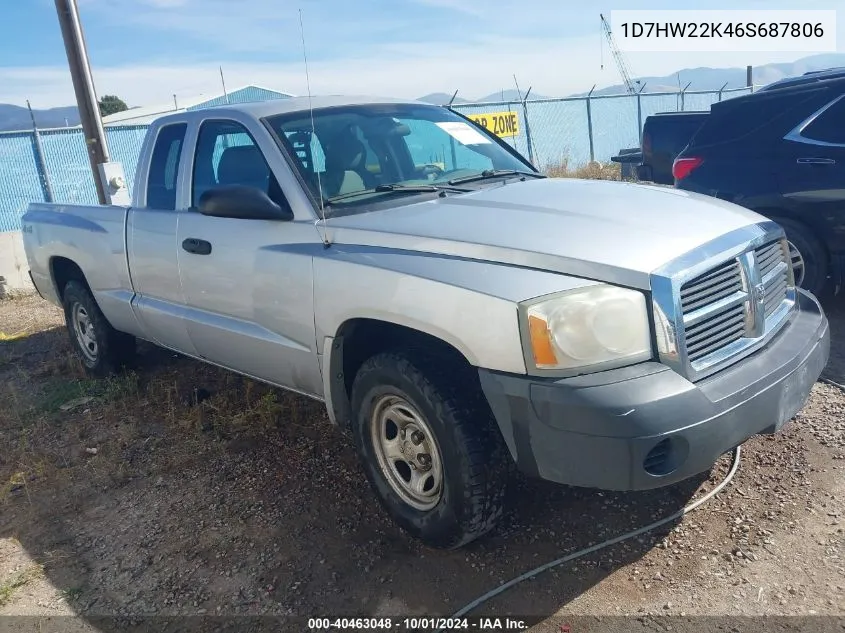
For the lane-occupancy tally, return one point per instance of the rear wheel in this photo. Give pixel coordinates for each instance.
(430, 447)
(100, 347)
(808, 255)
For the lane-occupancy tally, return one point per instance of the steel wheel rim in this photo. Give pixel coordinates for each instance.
(797, 261)
(84, 330)
(407, 452)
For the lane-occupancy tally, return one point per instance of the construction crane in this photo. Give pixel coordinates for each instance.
(621, 64)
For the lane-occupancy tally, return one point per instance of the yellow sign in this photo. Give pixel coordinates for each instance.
(499, 123)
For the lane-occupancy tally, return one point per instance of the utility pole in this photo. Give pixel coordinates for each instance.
(83, 86)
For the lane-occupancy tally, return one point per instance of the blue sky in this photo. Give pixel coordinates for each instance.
(147, 50)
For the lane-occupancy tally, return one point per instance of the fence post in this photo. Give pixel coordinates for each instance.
(640, 114)
(590, 124)
(683, 95)
(721, 89)
(40, 161)
(527, 127)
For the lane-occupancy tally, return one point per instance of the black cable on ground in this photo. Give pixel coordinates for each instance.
(828, 381)
(618, 539)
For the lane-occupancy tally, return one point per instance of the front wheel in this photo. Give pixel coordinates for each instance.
(430, 448)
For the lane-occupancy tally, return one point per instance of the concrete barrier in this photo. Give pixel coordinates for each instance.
(14, 270)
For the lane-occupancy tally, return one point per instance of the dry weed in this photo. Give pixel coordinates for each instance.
(591, 171)
(18, 580)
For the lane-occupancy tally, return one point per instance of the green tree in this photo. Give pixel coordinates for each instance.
(109, 104)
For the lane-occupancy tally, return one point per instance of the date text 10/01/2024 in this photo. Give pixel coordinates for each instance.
(420, 623)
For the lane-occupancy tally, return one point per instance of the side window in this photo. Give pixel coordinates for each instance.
(164, 167)
(226, 154)
(829, 127)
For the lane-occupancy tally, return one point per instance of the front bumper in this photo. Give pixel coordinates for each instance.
(646, 426)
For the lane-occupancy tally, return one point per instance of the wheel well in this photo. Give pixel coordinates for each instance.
(834, 264)
(64, 270)
(778, 215)
(360, 339)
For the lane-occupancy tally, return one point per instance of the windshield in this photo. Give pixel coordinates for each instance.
(360, 155)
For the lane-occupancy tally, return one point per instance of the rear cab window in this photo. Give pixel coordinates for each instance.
(164, 167)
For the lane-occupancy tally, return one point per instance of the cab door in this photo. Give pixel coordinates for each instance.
(247, 282)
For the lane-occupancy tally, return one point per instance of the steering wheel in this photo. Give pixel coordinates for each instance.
(432, 169)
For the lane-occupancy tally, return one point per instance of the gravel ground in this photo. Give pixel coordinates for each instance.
(181, 489)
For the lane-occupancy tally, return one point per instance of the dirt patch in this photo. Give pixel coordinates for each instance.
(178, 488)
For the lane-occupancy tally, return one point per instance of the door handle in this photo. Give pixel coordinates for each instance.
(816, 161)
(196, 246)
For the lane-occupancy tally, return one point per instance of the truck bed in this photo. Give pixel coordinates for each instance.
(91, 236)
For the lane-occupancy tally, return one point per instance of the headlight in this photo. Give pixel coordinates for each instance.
(599, 326)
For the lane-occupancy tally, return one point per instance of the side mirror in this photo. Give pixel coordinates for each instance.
(242, 203)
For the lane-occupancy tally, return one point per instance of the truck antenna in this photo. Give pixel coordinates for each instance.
(326, 242)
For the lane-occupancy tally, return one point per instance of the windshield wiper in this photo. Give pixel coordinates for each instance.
(495, 173)
(398, 186)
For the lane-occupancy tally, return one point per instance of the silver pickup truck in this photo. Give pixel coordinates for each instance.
(457, 311)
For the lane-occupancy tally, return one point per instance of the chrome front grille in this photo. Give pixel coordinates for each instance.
(713, 314)
(709, 314)
(773, 263)
(711, 286)
(715, 332)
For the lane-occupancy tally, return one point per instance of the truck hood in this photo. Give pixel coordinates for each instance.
(609, 231)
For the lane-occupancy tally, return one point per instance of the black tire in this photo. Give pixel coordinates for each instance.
(813, 252)
(111, 350)
(475, 462)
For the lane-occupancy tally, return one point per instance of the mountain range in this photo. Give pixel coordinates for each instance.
(441, 98)
(715, 78)
(14, 117)
(702, 78)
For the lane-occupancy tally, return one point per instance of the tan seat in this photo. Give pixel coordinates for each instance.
(346, 170)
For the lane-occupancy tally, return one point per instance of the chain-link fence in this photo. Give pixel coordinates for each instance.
(577, 130)
(52, 165)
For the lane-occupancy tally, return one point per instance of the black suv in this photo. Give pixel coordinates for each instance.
(781, 153)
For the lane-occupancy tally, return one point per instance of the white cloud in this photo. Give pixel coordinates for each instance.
(403, 70)
(407, 71)
(165, 4)
(354, 50)
(266, 28)
(477, 10)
